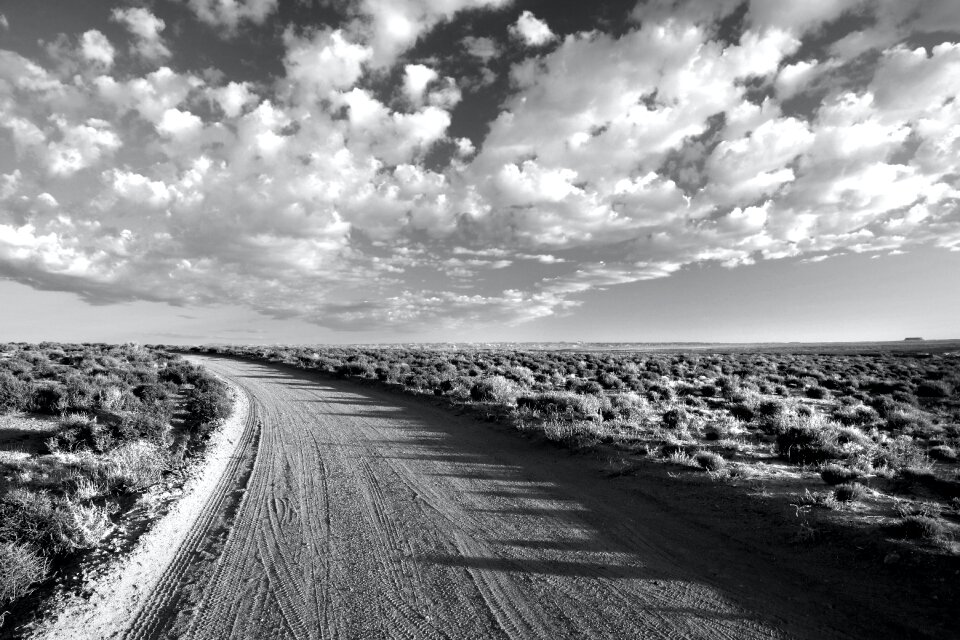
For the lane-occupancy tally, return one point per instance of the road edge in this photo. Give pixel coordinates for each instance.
(112, 600)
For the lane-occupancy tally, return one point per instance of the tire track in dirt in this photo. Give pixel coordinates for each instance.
(372, 516)
(169, 597)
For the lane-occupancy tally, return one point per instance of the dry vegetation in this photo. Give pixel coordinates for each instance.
(872, 437)
(83, 428)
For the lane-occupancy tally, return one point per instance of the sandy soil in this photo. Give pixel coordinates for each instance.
(22, 435)
(370, 515)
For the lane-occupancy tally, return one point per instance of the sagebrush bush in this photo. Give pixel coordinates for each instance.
(710, 461)
(837, 474)
(901, 452)
(849, 492)
(816, 393)
(807, 440)
(135, 465)
(494, 388)
(14, 393)
(721, 427)
(20, 568)
(855, 415)
(139, 425)
(676, 418)
(922, 527)
(48, 396)
(209, 403)
(38, 519)
(551, 403)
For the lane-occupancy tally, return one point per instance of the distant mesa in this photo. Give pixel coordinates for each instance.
(913, 339)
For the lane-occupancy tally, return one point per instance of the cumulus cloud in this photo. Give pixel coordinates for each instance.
(232, 97)
(343, 193)
(145, 28)
(95, 47)
(415, 80)
(531, 30)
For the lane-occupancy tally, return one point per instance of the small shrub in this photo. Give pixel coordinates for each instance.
(20, 568)
(920, 527)
(209, 403)
(77, 432)
(91, 524)
(901, 452)
(14, 393)
(710, 461)
(807, 442)
(855, 415)
(849, 492)
(816, 393)
(629, 405)
(835, 474)
(676, 418)
(139, 425)
(494, 389)
(135, 465)
(776, 415)
(742, 411)
(38, 519)
(720, 428)
(48, 397)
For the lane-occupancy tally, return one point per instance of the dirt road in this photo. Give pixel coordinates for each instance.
(368, 515)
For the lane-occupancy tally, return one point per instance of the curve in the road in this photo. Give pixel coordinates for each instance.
(369, 516)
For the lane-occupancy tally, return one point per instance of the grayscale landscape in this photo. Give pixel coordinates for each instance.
(479, 319)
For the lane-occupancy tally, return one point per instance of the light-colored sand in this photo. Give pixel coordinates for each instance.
(119, 591)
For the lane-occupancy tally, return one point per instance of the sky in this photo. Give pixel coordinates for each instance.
(356, 171)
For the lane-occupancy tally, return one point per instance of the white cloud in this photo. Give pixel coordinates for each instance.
(179, 124)
(233, 97)
(140, 189)
(95, 47)
(749, 167)
(415, 80)
(323, 63)
(531, 30)
(909, 82)
(4, 23)
(81, 146)
(229, 14)
(151, 95)
(69, 147)
(146, 29)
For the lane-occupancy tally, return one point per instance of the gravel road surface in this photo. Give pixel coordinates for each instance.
(371, 515)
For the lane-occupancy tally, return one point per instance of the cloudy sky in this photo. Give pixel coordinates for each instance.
(427, 170)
